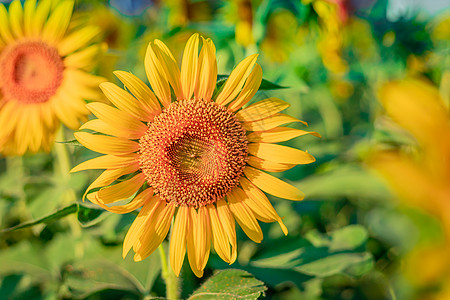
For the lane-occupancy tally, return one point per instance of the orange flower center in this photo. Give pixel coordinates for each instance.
(193, 153)
(31, 72)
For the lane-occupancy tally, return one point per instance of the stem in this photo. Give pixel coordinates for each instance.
(63, 175)
(172, 288)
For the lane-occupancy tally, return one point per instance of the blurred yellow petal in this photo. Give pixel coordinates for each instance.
(273, 185)
(16, 18)
(58, 22)
(5, 31)
(78, 39)
(29, 8)
(42, 11)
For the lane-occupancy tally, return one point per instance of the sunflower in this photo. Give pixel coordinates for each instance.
(43, 64)
(190, 154)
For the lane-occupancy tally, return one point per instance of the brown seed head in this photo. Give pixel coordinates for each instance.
(193, 153)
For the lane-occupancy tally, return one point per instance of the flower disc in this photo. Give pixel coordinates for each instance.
(193, 153)
(31, 71)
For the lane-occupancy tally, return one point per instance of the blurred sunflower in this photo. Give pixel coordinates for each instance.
(197, 160)
(43, 67)
(417, 106)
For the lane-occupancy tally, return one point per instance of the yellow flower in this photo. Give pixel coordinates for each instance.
(198, 159)
(417, 107)
(43, 75)
(421, 177)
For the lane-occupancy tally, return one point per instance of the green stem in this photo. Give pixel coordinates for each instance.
(172, 288)
(63, 175)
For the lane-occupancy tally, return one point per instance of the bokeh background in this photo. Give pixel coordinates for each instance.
(369, 228)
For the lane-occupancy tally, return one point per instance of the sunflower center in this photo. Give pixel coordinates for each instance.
(31, 71)
(193, 153)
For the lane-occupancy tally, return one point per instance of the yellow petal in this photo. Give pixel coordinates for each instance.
(244, 215)
(227, 221)
(192, 243)
(125, 125)
(83, 59)
(39, 18)
(5, 31)
(219, 237)
(268, 165)
(278, 134)
(78, 39)
(134, 204)
(261, 110)
(156, 76)
(178, 239)
(109, 176)
(170, 67)
(80, 83)
(124, 101)
(155, 233)
(56, 26)
(145, 216)
(107, 162)
(207, 71)
(29, 8)
(260, 205)
(119, 191)
(273, 185)
(16, 18)
(140, 90)
(189, 67)
(106, 144)
(236, 80)
(63, 112)
(279, 153)
(249, 90)
(270, 122)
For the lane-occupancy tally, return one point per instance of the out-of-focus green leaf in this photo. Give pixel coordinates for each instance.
(322, 255)
(347, 238)
(90, 276)
(71, 143)
(61, 213)
(230, 284)
(346, 181)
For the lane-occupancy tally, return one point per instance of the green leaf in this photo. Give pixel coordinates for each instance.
(321, 255)
(90, 214)
(90, 276)
(265, 84)
(348, 238)
(48, 219)
(230, 284)
(71, 142)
